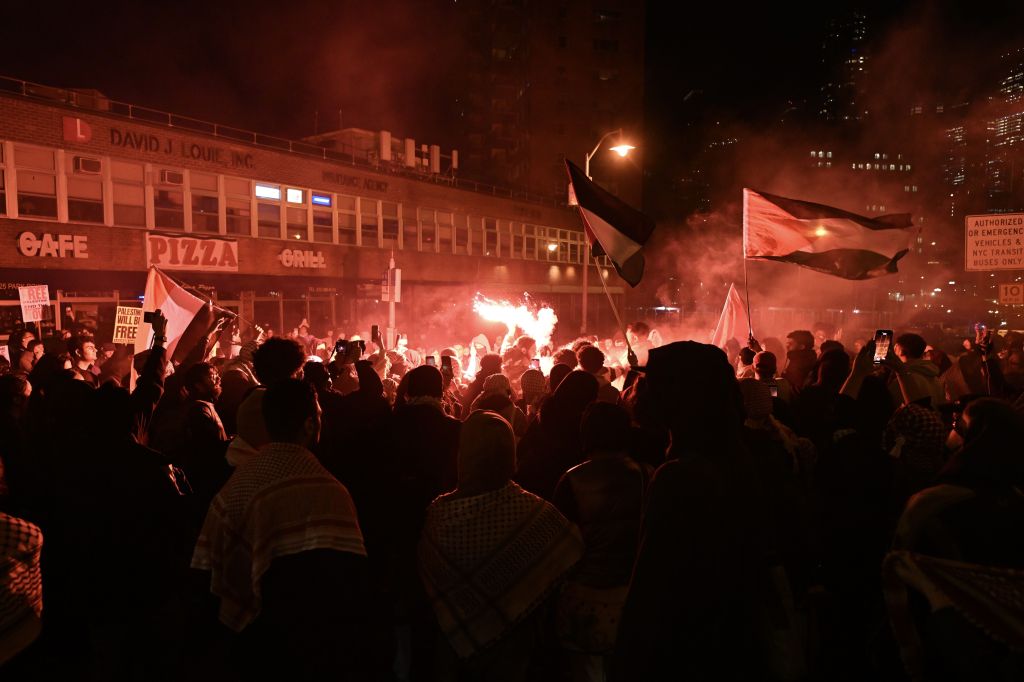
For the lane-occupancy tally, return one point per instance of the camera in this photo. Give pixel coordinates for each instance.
(149, 317)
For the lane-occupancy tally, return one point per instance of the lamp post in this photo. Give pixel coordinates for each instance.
(621, 149)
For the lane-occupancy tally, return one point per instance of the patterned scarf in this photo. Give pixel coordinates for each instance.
(279, 503)
(488, 560)
(21, 585)
(990, 597)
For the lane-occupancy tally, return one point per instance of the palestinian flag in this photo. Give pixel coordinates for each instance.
(612, 226)
(823, 238)
(190, 319)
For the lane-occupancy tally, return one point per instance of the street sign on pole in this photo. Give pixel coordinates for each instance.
(994, 242)
(1011, 294)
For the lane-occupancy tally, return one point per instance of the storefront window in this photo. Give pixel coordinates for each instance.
(529, 242)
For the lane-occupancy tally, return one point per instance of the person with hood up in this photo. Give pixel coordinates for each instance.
(490, 556)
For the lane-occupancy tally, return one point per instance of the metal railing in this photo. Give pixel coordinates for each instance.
(96, 102)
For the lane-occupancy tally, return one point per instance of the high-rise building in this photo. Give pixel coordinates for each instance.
(845, 58)
(543, 82)
(1004, 165)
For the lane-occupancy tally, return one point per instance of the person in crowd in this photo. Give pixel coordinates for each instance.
(745, 363)
(534, 385)
(784, 463)
(551, 445)
(490, 557)
(18, 353)
(567, 357)
(83, 355)
(814, 409)
(276, 360)
(766, 369)
(604, 497)
(702, 566)
(37, 349)
(237, 377)
(638, 334)
(516, 359)
(591, 360)
(283, 548)
(497, 397)
(954, 546)
(204, 441)
(489, 364)
(558, 374)
(800, 357)
(424, 445)
(21, 593)
(918, 378)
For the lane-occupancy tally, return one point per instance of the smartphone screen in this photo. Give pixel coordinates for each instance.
(883, 338)
(774, 390)
(432, 361)
(535, 363)
(446, 362)
(374, 332)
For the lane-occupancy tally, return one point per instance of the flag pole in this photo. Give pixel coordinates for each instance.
(746, 283)
(615, 310)
(746, 294)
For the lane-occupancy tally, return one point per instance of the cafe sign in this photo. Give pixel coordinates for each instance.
(47, 245)
(196, 254)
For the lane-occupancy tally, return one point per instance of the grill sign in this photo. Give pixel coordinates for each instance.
(296, 258)
(191, 253)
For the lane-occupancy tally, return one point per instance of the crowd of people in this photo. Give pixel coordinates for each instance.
(321, 509)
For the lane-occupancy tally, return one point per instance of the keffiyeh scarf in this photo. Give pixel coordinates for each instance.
(488, 560)
(21, 585)
(279, 503)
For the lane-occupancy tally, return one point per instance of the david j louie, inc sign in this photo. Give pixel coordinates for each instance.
(191, 253)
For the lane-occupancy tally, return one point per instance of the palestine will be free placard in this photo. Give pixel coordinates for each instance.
(994, 242)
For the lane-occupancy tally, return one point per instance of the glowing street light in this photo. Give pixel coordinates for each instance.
(622, 149)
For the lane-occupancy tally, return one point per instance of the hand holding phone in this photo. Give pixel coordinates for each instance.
(883, 340)
(431, 360)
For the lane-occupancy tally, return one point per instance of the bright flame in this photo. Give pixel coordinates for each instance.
(622, 149)
(537, 325)
(821, 231)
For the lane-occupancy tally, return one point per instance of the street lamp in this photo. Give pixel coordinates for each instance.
(622, 149)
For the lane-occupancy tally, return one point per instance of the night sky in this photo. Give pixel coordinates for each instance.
(392, 64)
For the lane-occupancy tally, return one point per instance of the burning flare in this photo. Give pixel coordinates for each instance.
(538, 324)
